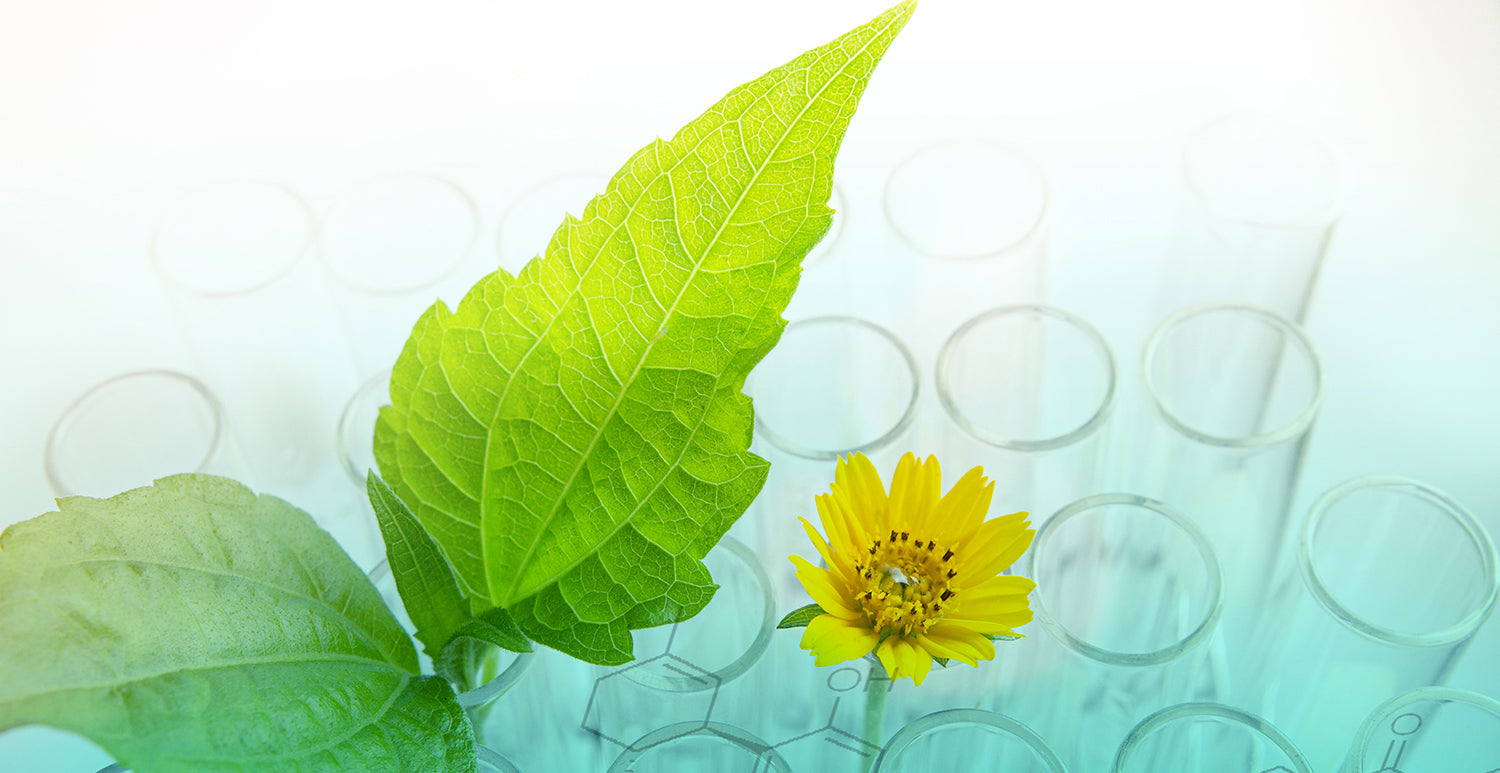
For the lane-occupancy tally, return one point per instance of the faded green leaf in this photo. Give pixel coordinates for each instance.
(193, 626)
(799, 618)
(575, 438)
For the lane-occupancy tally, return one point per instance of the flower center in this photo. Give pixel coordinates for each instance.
(905, 583)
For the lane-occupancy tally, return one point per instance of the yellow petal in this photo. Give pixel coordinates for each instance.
(997, 545)
(958, 636)
(824, 589)
(833, 640)
(837, 562)
(916, 489)
(856, 480)
(817, 541)
(964, 507)
(844, 535)
(945, 648)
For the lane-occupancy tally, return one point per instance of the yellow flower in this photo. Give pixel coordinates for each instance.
(912, 575)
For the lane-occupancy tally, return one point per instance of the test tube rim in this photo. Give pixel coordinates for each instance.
(747, 659)
(1075, 435)
(1297, 427)
(494, 759)
(1323, 218)
(488, 691)
(309, 228)
(346, 417)
(773, 761)
(1197, 637)
(530, 190)
(1012, 727)
(375, 290)
(1480, 537)
(1031, 231)
(59, 428)
(1163, 717)
(908, 413)
(1368, 727)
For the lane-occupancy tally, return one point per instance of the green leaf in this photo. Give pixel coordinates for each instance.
(799, 618)
(575, 438)
(193, 626)
(465, 653)
(428, 591)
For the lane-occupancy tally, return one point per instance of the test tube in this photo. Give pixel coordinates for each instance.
(1264, 198)
(355, 434)
(833, 386)
(134, 428)
(967, 739)
(975, 211)
(1393, 578)
(388, 246)
(682, 671)
(263, 337)
(1128, 594)
(1232, 392)
(1428, 730)
(699, 746)
(1205, 737)
(1028, 387)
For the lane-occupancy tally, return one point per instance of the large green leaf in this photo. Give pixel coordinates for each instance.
(193, 626)
(575, 438)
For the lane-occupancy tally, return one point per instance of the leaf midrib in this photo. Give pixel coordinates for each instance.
(645, 355)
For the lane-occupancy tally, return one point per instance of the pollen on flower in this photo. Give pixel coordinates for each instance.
(903, 585)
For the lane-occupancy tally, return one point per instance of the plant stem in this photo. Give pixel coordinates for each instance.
(876, 689)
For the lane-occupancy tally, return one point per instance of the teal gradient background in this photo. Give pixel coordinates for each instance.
(108, 112)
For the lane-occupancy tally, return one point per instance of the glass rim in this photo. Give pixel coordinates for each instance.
(510, 208)
(346, 419)
(1082, 431)
(1170, 714)
(1478, 536)
(494, 759)
(917, 728)
(1027, 161)
(1324, 218)
(908, 413)
(740, 665)
(488, 691)
(1298, 426)
(60, 427)
(1368, 727)
(309, 227)
(766, 756)
(1201, 633)
(379, 290)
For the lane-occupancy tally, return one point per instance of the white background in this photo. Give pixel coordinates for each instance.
(106, 109)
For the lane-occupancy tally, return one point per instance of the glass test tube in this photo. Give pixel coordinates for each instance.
(388, 246)
(259, 327)
(1393, 578)
(1428, 730)
(1264, 198)
(1029, 388)
(967, 739)
(975, 211)
(134, 428)
(1233, 391)
(692, 670)
(699, 746)
(1128, 593)
(1207, 737)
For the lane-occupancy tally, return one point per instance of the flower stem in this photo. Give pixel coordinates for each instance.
(876, 689)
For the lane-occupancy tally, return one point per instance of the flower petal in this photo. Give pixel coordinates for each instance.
(997, 545)
(916, 489)
(824, 589)
(963, 508)
(857, 481)
(958, 636)
(833, 640)
(944, 648)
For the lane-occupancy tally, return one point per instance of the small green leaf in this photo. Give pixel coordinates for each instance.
(575, 438)
(799, 618)
(428, 591)
(193, 626)
(462, 655)
(942, 662)
(1005, 637)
